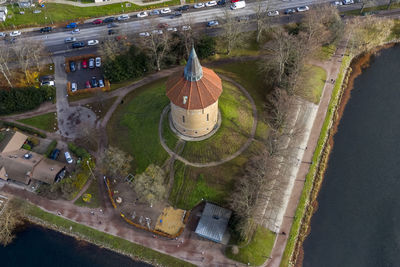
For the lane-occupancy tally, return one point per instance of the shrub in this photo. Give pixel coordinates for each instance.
(24, 129)
(78, 151)
(50, 148)
(34, 141)
(26, 146)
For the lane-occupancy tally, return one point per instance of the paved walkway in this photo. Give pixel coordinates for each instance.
(228, 158)
(332, 67)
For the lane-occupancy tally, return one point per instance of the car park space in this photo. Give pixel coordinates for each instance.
(84, 72)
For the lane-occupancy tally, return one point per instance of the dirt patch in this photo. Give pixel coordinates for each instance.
(170, 220)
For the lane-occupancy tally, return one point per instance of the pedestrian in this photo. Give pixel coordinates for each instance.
(283, 233)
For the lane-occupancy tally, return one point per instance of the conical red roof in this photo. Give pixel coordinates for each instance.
(196, 87)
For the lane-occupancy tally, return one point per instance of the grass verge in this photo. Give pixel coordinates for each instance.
(308, 185)
(94, 191)
(314, 82)
(46, 122)
(103, 239)
(257, 251)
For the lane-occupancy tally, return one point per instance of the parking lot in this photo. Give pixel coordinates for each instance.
(84, 73)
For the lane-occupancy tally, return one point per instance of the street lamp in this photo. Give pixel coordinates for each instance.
(87, 162)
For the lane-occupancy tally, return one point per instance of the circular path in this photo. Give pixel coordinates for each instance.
(224, 160)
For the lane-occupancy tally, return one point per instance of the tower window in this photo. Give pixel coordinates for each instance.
(183, 119)
(208, 117)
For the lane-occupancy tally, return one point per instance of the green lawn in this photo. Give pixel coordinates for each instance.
(46, 122)
(169, 136)
(237, 120)
(326, 52)
(93, 190)
(257, 251)
(58, 13)
(106, 240)
(134, 125)
(313, 85)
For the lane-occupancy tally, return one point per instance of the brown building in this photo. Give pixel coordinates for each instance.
(194, 97)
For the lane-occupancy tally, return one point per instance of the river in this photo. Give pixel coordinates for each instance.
(37, 246)
(357, 223)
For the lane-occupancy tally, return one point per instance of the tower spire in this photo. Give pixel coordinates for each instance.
(193, 70)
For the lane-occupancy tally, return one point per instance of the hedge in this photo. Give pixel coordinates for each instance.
(50, 148)
(24, 129)
(78, 151)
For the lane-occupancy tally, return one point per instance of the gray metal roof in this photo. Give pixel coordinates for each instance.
(213, 222)
(193, 70)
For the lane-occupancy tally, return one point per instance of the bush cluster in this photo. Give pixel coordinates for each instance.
(78, 151)
(23, 99)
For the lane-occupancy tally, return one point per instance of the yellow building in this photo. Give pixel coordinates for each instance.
(194, 97)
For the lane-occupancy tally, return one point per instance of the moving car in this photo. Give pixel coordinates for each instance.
(72, 66)
(108, 20)
(199, 5)
(142, 14)
(290, 11)
(15, 33)
(98, 62)
(162, 25)
(211, 3)
(273, 13)
(54, 154)
(165, 10)
(93, 42)
(302, 8)
(74, 87)
(186, 27)
(112, 25)
(144, 34)
(94, 82)
(69, 40)
(68, 157)
(87, 84)
(238, 5)
(78, 45)
(176, 14)
(111, 31)
(75, 31)
(101, 83)
(123, 17)
(97, 21)
(72, 25)
(154, 12)
(91, 63)
(46, 29)
(212, 23)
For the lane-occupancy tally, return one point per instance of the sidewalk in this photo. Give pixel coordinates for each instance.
(332, 68)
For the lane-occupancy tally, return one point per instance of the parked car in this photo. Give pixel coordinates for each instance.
(183, 8)
(72, 25)
(199, 5)
(165, 10)
(348, 2)
(212, 23)
(211, 3)
(54, 154)
(221, 2)
(98, 62)
(46, 78)
(84, 64)
(144, 34)
(101, 83)
(337, 3)
(238, 5)
(94, 82)
(48, 83)
(108, 20)
(111, 32)
(142, 14)
(93, 42)
(46, 29)
(74, 87)
(186, 27)
(302, 8)
(234, 1)
(69, 40)
(290, 11)
(2, 34)
(91, 63)
(97, 21)
(172, 29)
(75, 31)
(72, 66)
(15, 33)
(157, 32)
(78, 45)
(87, 84)
(123, 17)
(273, 13)
(68, 157)
(154, 12)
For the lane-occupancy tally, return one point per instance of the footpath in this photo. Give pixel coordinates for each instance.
(332, 68)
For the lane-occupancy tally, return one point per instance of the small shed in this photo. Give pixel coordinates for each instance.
(213, 222)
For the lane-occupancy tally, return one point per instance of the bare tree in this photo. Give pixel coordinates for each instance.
(262, 19)
(22, 53)
(231, 30)
(392, 2)
(11, 217)
(187, 35)
(116, 162)
(366, 4)
(149, 185)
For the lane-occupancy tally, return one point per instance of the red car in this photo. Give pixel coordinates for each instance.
(234, 1)
(162, 25)
(87, 84)
(84, 64)
(97, 21)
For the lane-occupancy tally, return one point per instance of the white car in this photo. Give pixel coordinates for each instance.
(165, 10)
(238, 5)
(348, 2)
(172, 29)
(69, 40)
(98, 62)
(273, 13)
(2, 34)
(48, 83)
(199, 5)
(142, 14)
(212, 23)
(101, 83)
(93, 42)
(74, 87)
(123, 17)
(337, 3)
(157, 32)
(68, 157)
(75, 31)
(15, 33)
(144, 34)
(211, 3)
(186, 28)
(302, 8)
